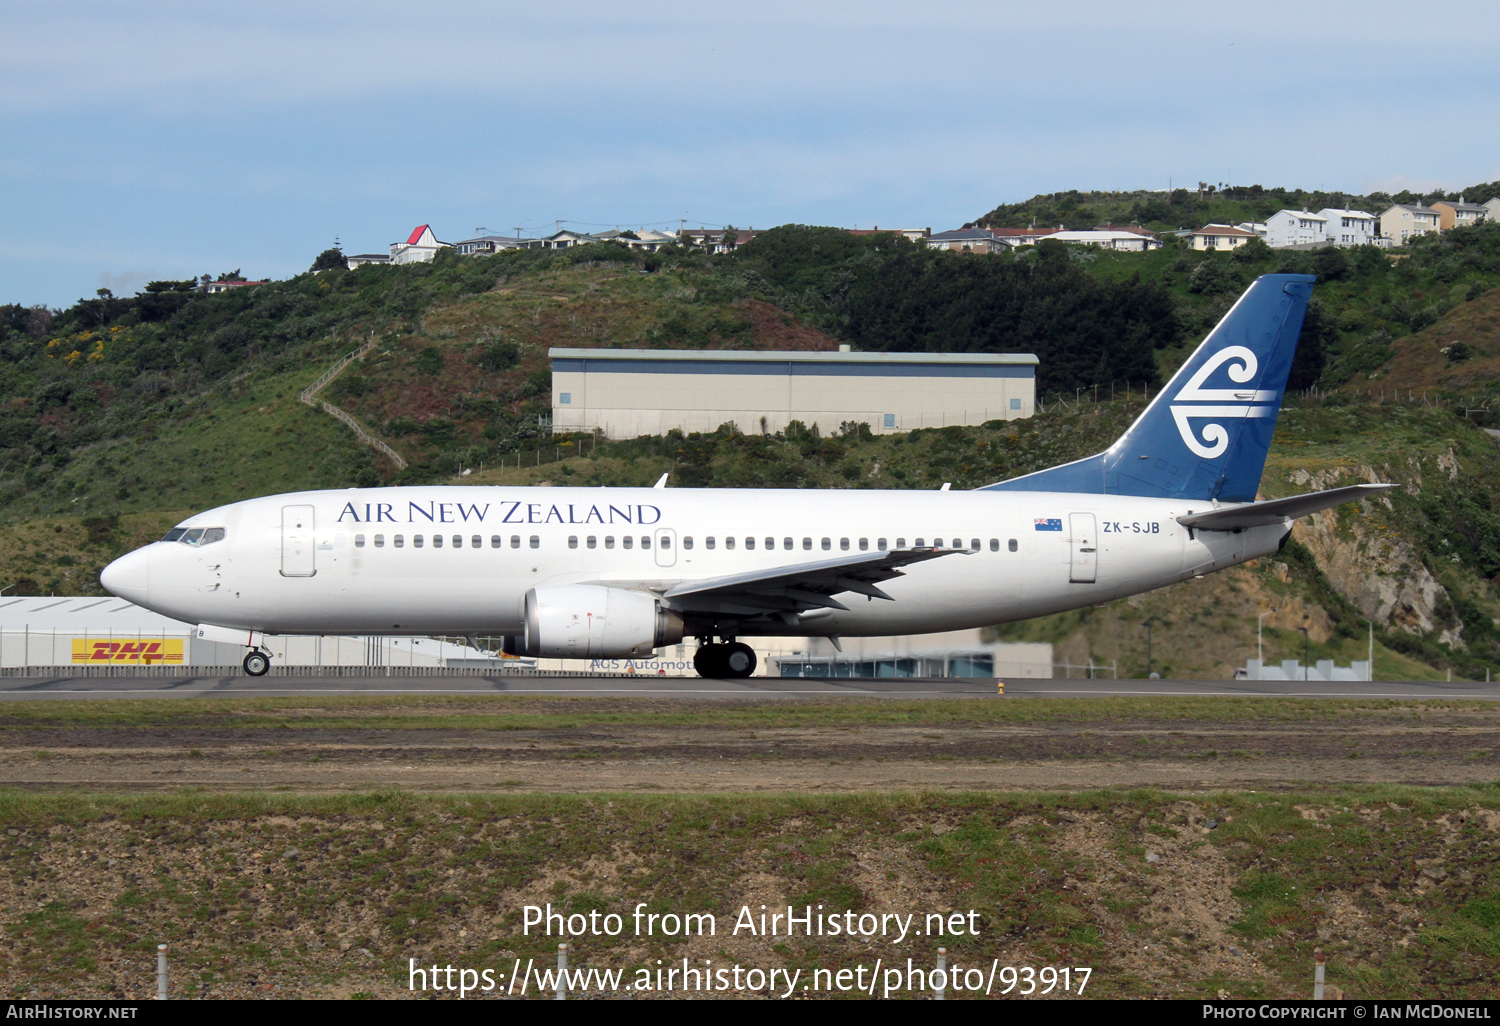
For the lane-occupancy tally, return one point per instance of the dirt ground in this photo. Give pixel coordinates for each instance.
(1456, 747)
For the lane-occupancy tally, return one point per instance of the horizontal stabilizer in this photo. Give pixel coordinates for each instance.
(1272, 511)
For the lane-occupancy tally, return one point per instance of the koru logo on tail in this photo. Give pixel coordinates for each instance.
(1228, 403)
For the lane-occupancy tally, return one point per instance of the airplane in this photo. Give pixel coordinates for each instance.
(590, 573)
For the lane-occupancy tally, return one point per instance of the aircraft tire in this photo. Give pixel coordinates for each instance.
(257, 664)
(709, 661)
(738, 660)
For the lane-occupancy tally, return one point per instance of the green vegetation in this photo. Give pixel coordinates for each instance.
(502, 712)
(322, 896)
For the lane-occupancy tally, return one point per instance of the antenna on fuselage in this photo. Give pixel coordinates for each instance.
(662, 482)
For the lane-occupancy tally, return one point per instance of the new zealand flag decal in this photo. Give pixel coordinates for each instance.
(1048, 524)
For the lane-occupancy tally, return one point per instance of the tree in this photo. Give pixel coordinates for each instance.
(331, 259)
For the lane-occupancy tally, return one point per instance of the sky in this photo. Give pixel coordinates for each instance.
(146, 140)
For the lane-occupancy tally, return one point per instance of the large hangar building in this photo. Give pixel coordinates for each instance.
(625, 393)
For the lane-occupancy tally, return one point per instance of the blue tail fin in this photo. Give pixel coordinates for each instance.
(1206, 434)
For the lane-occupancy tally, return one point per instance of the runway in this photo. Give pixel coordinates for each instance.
(693, 688)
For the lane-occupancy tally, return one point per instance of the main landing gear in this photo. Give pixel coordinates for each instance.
(257, 663)
(732, 659)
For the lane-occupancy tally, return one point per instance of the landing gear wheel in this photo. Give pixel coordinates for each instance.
(738, 660)
(257, 663)
(709, 661)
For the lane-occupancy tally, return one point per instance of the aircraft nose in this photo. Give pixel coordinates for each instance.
(127, 577)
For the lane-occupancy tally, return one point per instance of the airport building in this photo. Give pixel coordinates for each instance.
(59, 631)
(626, 393)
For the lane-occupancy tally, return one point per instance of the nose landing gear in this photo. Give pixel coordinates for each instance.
(733, 659)
(257, 663)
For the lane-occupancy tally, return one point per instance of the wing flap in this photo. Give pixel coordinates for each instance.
(1273, 511)
(801, 586)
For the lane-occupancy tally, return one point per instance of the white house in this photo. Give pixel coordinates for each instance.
(488, 245)
(419, 248)
(1349, 227)
(1129, 242)
(1221, 236)
(1492, 209)
(1295, 228)
(1403, 222)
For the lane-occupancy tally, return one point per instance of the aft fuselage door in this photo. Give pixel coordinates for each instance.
(1084, 567)
(666, 547)
(297, 541)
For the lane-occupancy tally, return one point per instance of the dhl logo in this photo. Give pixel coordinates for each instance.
(161, 650)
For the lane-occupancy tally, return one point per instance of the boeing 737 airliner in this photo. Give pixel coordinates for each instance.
(587, 573)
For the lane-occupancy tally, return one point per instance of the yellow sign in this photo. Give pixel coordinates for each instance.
(141, 650)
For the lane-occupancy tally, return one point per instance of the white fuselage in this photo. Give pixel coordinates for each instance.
(1034, 553)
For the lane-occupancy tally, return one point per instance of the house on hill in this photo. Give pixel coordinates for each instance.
(1492, 209)
(1458, 213)
(1350, 227)
(970, 240)
(1405, 221)
(419, 248)
(1287, 228)
(1124, 240)
(1220, 236)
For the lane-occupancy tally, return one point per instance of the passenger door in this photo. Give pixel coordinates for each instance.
(297, 541)
(1084, 544)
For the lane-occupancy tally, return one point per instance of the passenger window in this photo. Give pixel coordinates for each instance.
(974, 545)
(687, 542)
(1012, 546)
(495, 541)
(193, 536)
(627, 541)
(380, 541)
(536, 541)
(708, 542)
(880, 544)
(592, 542)
(918, 545)
(827, 544)
(729, 543)
(458, 541)
(645, 541)
(572, 541)
(609, 541)
(864, 544)
(212, 535)
(398, 541)
(515, 541)
(901, 543)
(937, 543)
(750, 544)
(359, 541)
(994, 544)
(843, 544)
(416, 541)
(666, 542)
(476, 542)
(806, 543)
(437, 541)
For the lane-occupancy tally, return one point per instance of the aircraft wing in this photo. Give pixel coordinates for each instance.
(789, 590)
(1259, 514)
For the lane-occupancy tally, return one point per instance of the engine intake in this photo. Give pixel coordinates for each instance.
(590, 621)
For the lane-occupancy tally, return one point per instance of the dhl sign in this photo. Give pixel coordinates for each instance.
(145, 650)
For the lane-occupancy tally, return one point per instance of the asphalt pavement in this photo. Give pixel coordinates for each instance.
(64, 687)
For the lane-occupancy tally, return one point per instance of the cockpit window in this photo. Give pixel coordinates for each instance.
(197, 536)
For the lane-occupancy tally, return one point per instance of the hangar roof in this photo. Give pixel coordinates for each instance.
(745, 356)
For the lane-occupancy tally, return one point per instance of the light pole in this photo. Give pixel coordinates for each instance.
(1304, 652)
(1260, 648)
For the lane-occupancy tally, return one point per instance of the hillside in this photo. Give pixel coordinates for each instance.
(119, 416)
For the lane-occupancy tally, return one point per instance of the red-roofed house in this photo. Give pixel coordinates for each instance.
(419, 248)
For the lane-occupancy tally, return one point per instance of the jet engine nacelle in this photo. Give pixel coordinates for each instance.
(589, 621)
